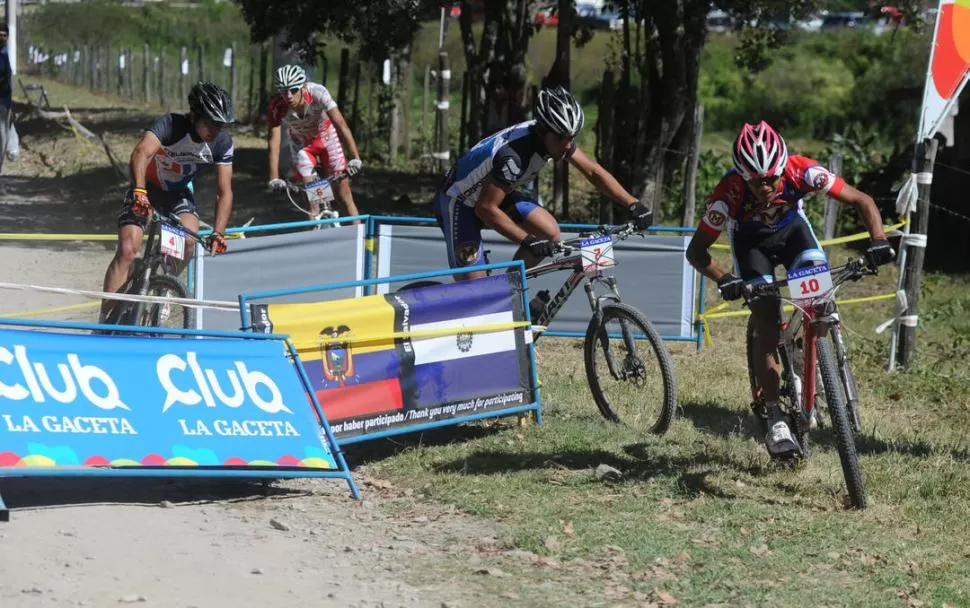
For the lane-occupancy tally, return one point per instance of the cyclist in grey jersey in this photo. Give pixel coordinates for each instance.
(482, 188)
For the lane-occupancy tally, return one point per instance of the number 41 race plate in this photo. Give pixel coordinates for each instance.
(811, 283)
(172, 242)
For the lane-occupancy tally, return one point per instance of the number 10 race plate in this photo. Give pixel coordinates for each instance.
(810, 284)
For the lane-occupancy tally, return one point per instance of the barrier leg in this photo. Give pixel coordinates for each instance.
(4, 511)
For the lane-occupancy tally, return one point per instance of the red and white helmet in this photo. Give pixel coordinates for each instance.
(759, 151)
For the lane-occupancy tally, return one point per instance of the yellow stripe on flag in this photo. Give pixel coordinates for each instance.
(368, 321)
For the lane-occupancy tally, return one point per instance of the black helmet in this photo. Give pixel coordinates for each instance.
(558, 111)
(207, 100)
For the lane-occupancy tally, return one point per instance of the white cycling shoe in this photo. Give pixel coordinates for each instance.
(780, 441)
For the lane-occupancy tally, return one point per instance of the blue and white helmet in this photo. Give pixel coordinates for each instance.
(290, 76)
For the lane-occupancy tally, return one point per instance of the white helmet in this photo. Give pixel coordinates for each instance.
(558, 110)
(290, 76)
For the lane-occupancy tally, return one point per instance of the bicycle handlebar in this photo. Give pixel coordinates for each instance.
(173, 221)
(619, 232)
(297, 187)
(853, 270)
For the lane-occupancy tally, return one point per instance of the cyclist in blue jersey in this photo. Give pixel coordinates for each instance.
(482, 188)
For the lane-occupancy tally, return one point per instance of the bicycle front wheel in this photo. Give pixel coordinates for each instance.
(844, 437)
(166, 314)
(629, 370)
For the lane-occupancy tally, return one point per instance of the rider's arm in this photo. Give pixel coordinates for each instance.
(715, 220)
(224, 197)
(273, 145)
(487, 209)
(867, 209)
(141, 156)
(601, 178)
(699, 256)
(343, 131)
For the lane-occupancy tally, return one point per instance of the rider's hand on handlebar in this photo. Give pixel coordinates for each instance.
(731, 287)
(277, 185)
(353, 167)
(140, 204)
(880, 252)
(539, 248)
(642, 216)
(217, 243)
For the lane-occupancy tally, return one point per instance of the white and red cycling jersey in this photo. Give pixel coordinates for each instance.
(310, 135)
(732, 203)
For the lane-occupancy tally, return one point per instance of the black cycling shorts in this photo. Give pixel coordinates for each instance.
(175, 203)
(757, 255)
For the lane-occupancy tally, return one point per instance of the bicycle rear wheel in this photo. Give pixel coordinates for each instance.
(629, 370)
(165, 314)
(844, 437)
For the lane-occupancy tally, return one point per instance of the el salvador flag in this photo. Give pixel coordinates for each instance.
(454, 368)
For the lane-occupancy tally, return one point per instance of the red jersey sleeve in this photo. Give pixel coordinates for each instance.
(723, 204)
(810, 176)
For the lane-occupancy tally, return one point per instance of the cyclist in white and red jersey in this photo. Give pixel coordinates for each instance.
(314, 129)
(759, 202)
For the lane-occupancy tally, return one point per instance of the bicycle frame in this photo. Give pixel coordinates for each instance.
(577, 276)
(814, 320)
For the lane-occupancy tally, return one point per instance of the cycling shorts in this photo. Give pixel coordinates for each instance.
(463, 228)
(176, 203)
(323, 149)
(757, 255)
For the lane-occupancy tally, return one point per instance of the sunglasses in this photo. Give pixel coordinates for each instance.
(771, 180)
(292, 90)
(212, 124)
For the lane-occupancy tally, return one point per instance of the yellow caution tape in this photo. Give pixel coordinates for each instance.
(837, 241)
(49, 311)
(369, 245)
(421, 333)
(714, 313)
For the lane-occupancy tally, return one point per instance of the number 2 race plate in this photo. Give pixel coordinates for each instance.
(319, 191)
(597, 254)
(810, 284)
(172, 242)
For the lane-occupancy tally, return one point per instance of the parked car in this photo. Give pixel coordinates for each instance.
(547, 16)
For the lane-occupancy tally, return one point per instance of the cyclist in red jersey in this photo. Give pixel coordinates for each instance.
(759, 202)
(314, 129)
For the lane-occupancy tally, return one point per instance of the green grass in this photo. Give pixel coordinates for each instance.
(700, 513)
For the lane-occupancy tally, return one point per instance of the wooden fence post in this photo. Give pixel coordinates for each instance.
(162, 89)
(233, 76)
(343, 83)
(690, 175)
(353, 120)
(425, 95)
(183, 73)
(831, 205)
(463, 117)
(201, 61)
(442, 150)
(604, 140)
(146, 71)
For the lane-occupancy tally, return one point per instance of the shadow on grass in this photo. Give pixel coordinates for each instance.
(376, 450)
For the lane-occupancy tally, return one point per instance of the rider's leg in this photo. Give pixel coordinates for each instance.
(304, 167)
(332, 157)
(533, 219)
(463, 235)
(190, 220)
(129, 244)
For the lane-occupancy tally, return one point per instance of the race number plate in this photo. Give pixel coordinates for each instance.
(172, 242)
(319, 191)
(597, 254)
(810, 284)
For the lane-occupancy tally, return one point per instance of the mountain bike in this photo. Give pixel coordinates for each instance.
(156, 274)
(812, 354)
(638, 347)
(320, 192)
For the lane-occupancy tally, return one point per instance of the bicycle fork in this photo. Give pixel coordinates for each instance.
(628, 338)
